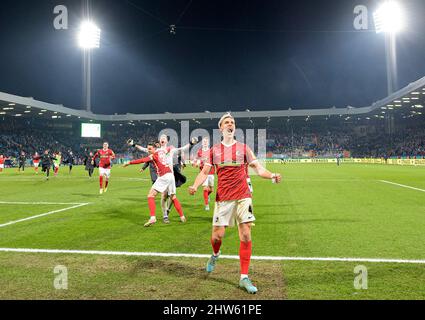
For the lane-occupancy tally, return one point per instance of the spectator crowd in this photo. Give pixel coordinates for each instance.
(301, 143)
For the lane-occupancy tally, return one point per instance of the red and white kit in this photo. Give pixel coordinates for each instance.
(203, 157)
(36, 161)
(105, 161)
(166, 180)
(234, 198)
(2, 160)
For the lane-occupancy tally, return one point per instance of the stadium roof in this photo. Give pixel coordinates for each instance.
(407, 102)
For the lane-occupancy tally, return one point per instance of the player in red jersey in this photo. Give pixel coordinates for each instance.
(170, 151)
(36, 161)
(105, 155)
(234, 200)
(179, 179)
(164, 184)
(2, 160)
(201, 158)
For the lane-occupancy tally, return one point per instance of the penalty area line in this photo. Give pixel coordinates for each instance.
(228, 257)
(42, 215)
(402, 185)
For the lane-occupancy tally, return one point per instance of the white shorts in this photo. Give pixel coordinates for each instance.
(166, 183)
(226, 213)
(105, 172)
(36, 165)
(56, 165)
(2, 166)
(251, 188)
(209, 182)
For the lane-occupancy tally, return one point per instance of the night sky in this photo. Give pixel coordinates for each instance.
(225, 55)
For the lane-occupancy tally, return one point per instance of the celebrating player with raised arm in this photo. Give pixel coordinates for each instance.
(164, 183)
(105, 155)
(201, 158)
(233, 201)
(179, 179)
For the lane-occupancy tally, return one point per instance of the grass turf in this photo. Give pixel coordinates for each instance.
(319, 211)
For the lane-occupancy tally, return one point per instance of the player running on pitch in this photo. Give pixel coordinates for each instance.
(57, 162)
(201, 158)
(234, 200)
(89, 164)
(21, 161)
(70, 160)
(2, 160)
(46, 162)
(36, 162)
(105, 155)
(164, 183)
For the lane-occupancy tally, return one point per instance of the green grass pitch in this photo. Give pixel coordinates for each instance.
(319, 210)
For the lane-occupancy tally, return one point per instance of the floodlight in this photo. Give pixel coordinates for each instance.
(89, 35)
(389, 18)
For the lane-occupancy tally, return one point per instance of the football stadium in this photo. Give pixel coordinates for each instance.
(169, 178)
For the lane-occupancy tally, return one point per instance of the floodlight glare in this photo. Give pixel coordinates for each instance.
(89, 35)
(389, 18)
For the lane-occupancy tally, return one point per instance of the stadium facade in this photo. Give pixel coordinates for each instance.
(405, 103)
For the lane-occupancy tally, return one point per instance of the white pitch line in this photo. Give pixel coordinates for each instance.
(402, 185)
(42, 215)
(41, 203)
(187, 255)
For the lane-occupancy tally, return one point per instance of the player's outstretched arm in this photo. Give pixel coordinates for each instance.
(131, 143)
(200, 179)
(144, 167)
(193, 141)
(140, 148)
(264, 173)
(139, 161)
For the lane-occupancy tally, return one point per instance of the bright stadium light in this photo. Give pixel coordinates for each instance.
(89, 35)
(389, 17)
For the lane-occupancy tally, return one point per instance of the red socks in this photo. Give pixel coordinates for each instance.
(245, 253)
(216, 246)
(101, 182)
(152, 206)
(206, 194)
(178, 207)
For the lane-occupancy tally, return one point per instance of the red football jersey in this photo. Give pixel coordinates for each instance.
(230, 163)
(35, 159)
(105, 158)
(2, 160)
(160, 161)
(203, 156)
